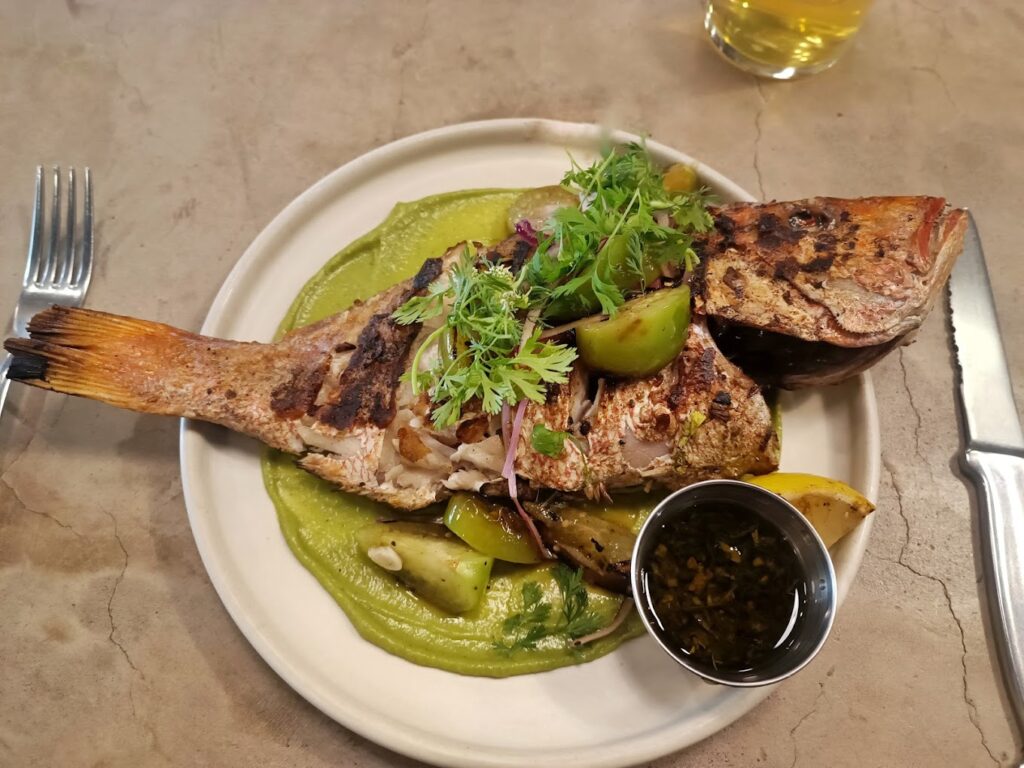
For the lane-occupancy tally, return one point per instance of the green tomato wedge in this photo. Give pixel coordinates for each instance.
(429, 561)
(644, 336)
(490, 528)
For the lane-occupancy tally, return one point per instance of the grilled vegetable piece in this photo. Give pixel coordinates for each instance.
(601, 548)
(815, 291)
(645, 335)
(536, 206)
(429, 560)
(490, 528)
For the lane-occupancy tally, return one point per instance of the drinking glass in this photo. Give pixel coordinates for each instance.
(783, 38)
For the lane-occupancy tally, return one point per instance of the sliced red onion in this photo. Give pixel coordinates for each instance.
(624, 610)
(526, 231)
(508, 471)
(528, 521)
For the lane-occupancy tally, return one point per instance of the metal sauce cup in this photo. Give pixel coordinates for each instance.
(820, 579)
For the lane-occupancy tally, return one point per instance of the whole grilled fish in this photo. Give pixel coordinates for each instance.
(333, 394)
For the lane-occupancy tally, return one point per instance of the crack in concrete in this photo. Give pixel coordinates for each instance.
(110, 604)
(242, 157)
(795, 728)
(155, 742)
(402, 54)
(757, 140)
(15, 415)
(924, 7)
(942, 81)
(400, 106)
(27, 508)
(972, 708)
(913, 407)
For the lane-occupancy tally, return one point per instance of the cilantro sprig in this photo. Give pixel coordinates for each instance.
(589, 259)
(490, 360)
(524, 629)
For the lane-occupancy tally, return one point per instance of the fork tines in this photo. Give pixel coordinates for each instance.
(62, 265)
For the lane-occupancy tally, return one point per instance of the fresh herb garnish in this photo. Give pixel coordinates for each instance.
(529, 626)
(526, 628)
(623, 203)
(548, 441)
(575, 601)
(627, 228)
(486, 316)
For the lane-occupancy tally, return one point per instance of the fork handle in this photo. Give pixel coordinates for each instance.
(5, 383)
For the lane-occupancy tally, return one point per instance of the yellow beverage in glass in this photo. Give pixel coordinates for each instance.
(783, 38)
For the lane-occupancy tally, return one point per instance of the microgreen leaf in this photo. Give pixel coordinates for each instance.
(548, 441)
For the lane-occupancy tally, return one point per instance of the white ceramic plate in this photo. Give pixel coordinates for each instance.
(630, 706)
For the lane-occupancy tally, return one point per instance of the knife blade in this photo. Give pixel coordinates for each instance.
(993, 457)
(986, 394)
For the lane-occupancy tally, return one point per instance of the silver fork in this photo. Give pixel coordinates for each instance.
(59, 267)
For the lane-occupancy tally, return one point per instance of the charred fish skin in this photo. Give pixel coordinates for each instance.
(804, 281)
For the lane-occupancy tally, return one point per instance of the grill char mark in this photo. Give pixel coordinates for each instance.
(369, 382)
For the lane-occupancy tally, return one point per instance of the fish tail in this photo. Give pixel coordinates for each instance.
(103, 357)
(135, 364)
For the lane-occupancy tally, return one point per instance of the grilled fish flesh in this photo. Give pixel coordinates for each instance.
(332, 392)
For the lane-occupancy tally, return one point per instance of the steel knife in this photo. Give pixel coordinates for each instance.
(993, 456)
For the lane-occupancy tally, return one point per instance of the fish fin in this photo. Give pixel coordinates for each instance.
(91, 354)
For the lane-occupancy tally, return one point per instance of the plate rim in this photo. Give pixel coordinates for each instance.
(410, 742)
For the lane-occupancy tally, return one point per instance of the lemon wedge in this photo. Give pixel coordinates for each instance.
(832, 507)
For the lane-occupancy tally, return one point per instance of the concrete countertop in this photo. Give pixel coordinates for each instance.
(202, 120)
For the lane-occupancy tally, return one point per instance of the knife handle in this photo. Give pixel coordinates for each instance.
(999, 478)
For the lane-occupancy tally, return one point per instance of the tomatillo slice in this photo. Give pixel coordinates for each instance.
(490, 528)
(645, 335)
(429, 561)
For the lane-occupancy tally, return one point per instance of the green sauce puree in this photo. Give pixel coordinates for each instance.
(319, 522)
